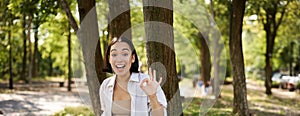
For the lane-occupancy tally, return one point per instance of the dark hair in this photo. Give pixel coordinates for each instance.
(135, 65)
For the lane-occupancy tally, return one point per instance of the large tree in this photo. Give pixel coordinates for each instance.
(240, 105)
(89, 39)
(158, 18)
(119, 19)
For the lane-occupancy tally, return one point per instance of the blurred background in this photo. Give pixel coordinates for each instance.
(42, 67)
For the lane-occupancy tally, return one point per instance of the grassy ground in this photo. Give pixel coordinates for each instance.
(281, 103)
(259, 103)
(75, 111)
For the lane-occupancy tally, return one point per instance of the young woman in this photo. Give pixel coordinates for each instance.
(128, 92)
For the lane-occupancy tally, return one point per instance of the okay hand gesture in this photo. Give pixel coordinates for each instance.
(149, 86)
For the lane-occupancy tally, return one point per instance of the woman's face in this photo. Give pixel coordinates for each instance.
(121, 58)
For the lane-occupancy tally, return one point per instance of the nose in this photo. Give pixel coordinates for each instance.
(119, 58)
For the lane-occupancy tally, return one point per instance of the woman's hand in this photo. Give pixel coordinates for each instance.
(149, 86)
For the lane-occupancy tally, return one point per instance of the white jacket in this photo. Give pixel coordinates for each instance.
(140, 103)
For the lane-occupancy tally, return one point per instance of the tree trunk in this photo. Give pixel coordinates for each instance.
(23, 73)
(35, 53)
(205, 60)
(30, 49)
(268, 68)
(271, 25)
(69, 59)
(270, 43)
(240, 105)
(119, 19)
(160, 49)
(10, 57)
(89, 37)
(71, 19)
(50, 72)
(291, 69)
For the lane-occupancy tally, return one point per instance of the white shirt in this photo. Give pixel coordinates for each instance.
(140, 103)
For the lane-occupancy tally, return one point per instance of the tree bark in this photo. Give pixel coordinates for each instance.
(271, 26)
(268, 68)
(240, 105)
(119, 18)
(69, 59)
(160, 49)
(30, 49)
(50, 71)
(89, 37)
(291, 69)
(35, 53)
(205, 60)
(10, 56)
(24, 61)
(71, 19)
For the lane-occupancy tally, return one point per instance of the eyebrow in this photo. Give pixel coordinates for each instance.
(113, 50)
(124, 49)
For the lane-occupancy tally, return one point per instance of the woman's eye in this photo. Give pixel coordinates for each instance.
(113, 55)
(125, 54)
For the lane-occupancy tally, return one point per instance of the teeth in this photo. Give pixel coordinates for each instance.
(120, 66)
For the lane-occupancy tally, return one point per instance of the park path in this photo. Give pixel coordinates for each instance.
(48, 100)
(43, 101)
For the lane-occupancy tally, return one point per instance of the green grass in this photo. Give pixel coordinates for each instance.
(258, 102)
(75, 111)
(219, 108)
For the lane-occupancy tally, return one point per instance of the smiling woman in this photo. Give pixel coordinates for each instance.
(128, 92)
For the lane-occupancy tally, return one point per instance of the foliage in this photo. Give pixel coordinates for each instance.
(254, 42)
(187, 14)
(52, 33)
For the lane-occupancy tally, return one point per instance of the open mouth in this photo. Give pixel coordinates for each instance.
(120, 66)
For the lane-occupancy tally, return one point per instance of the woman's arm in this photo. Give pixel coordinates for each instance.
(157, 108)
(150, 86)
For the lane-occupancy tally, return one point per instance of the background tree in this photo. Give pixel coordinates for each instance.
(10, 21)
(44, 8)
(240, 105)
(24, 9)
(271, 14)
(160, 49)
(198, 36)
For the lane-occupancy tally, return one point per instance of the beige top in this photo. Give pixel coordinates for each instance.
(121, 108)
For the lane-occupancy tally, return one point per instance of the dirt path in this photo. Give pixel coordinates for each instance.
(280, 103)
(38, 101)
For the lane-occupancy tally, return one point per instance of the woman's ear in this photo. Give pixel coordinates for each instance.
(133, 58)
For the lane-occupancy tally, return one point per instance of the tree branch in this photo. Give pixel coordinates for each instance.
(282, 14)
(71, 19)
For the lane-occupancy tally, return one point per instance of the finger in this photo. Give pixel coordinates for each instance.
(160, 80)
(144, 81)
(150, 73)
(154, 76)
